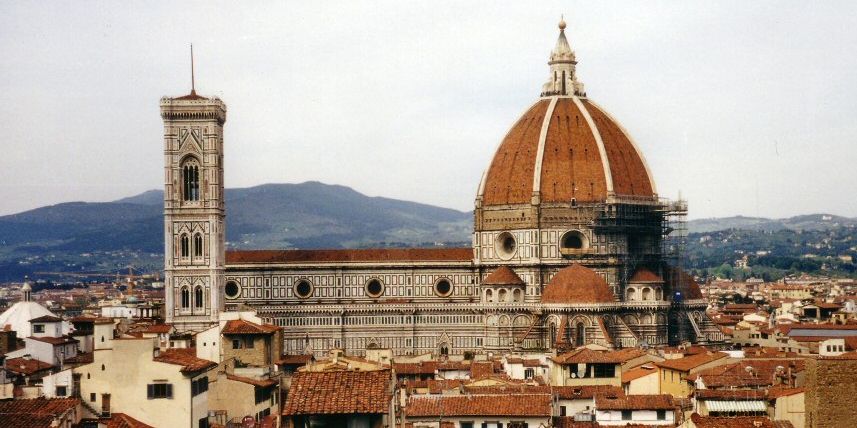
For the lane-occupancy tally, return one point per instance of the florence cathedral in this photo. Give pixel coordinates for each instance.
(571, 245)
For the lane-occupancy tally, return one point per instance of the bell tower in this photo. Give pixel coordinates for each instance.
(194, 234)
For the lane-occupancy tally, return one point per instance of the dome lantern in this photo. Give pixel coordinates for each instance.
(563, 64)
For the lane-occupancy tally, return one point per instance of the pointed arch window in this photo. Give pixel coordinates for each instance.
(185, 246)
(190, 180)
(580, 334)
(197, 245)
(185, 297)
(197, 297)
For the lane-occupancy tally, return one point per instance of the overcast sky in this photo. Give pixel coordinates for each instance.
(743, 107)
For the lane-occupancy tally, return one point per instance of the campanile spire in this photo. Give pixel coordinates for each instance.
(563, 64)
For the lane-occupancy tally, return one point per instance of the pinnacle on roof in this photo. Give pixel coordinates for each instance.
(563, 78)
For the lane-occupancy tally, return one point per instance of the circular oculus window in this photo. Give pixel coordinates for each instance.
(303, 289)
(374, 288)
(443, 287)
(573, 240)
(505, 245)
(232, 290)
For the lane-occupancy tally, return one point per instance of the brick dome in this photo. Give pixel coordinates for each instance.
(577, 284)
(564, 148)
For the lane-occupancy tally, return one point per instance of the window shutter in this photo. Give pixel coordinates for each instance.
(150, 391)
(169, 390)
(194, 389)
(500, 425)
(484, 425)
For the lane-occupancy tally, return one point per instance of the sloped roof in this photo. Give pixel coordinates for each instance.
(261, 383)
(586, 391)
(34, 412)
(634, 402)
(339, 392)
(638, 372)
(26, 366)
(503, 275)
(19, 315)
(121, 420)
(480, 405)
(246, 327)
(645, 275)
(586, 355)
(185, 357)
(577, 284)
(691, 361)
(683, 282)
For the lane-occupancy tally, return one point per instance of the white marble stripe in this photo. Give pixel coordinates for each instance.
(605, 162)
(540, 152)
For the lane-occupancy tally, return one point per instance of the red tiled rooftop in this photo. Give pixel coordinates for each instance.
(46, 318)
(520, 405)
(645, 275)
(339, 392)
(350, 255)
(26, 366)
(692, 361)
(638, 372)
(158, 329)
(121, 420)
(247, 327)
(586, 355)
(503, 275)
(424, 367)
(586, 391)
(634, 402)
(577, 284)
(261, 383)
(34, 412)
(185, 357)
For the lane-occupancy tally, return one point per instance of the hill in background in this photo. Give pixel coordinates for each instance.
(110, 236)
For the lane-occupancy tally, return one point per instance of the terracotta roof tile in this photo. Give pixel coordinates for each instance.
(55, 340)
(247, 327)
(185, 357)
(34, 412)
(339, 392)
(121, 420)
(634, 402)
(683, 282)
(638, 372)
(538, 405)
(479, 369)
(424, 367)
(159, 328)
(586, 355)
(351, 255)
(26, 366)
(503, 275)
(586, 391)
(577, 284)
(692, 361)
(261, 383)
(645, 275)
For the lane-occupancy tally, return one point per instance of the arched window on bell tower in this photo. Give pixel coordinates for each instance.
(185, 246)
(185, 298)
(197, 245)
(190, 180)
(197, 297)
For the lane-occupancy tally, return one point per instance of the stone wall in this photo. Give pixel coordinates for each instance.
(831, 387)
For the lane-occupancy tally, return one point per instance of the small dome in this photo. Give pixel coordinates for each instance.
(503, 275)
(645, 275)
(577, 284)
(26, 287)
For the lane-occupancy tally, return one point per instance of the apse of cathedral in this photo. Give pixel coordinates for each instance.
(571, 245)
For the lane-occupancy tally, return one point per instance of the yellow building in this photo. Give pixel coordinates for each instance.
(166, 388)
(672, 376)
